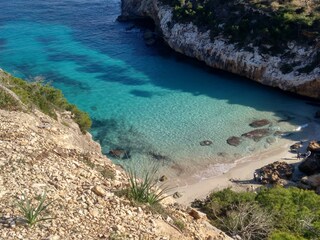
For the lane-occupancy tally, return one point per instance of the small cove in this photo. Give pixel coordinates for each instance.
(148, 100)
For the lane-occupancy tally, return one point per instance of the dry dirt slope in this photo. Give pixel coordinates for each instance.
(39, 154)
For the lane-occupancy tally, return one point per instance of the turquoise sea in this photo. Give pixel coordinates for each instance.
(148, 100)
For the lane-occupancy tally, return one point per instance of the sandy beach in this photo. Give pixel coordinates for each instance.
(240, 177)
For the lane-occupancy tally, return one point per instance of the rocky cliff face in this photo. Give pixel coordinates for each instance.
(263, 68)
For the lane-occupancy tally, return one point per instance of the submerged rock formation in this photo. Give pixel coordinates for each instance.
(188, 39)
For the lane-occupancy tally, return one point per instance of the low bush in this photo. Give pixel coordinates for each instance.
(44, 97)
(275, 213)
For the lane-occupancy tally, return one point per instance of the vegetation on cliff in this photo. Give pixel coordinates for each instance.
(275, 213)
(270, 25)
(39, 95)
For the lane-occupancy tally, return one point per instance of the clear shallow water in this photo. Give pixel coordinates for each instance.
(145, 99)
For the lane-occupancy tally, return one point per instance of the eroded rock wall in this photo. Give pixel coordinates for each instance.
(263, 68)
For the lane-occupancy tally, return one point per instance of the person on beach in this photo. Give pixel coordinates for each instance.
(255, 176)
(298, 155)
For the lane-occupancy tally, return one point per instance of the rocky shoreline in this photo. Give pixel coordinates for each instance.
(190, 41)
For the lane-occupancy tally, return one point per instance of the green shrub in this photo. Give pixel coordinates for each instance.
(44, 97)
(144, 190)
(284, 236)
(7, 102)
(291, 210)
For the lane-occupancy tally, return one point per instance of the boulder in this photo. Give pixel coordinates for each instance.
(311, 165)
(99, 191)
(177, 195)
(275, 172)
(195, 214)
(314, 147)
(313, 180)
(295, 147)
(317, 114)
(163, 178)
(259, 123)
(234, 141)
(206, 143)
(257, 134)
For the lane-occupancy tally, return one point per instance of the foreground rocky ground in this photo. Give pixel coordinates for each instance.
(39, 154)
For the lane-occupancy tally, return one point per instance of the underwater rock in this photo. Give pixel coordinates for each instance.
(234, 141)
(259, 123)
(120, 153)
(257, 134)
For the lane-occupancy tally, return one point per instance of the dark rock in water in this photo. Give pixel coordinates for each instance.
(158, 156)
(163, 178)
(259, 123)
(206, 143)
(311, 165)
(177, 195)
(234, 141)
(317, 115)
(257, 134)
(120, 153)
(274, 172)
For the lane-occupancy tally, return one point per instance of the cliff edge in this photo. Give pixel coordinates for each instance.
(295, 68)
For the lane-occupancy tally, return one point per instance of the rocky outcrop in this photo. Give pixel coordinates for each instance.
(311, 165)
(275, 172)
(263, 68)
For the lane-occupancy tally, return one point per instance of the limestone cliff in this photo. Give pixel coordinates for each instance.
(218, 53)
(40, 154)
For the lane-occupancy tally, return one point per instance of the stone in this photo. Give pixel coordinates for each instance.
(311, 165)
(314, 147)
(99, 191)
(195, 214)
(177, 195)
(295, 147)
(234, 141)
(53, 237)
(94, 212)
(275, 172)
(163, 178)
(259, 123)
(257, 134)
(206, 143)
(313, 180)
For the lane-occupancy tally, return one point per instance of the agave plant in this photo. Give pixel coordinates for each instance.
(144, 190)
(33, 214)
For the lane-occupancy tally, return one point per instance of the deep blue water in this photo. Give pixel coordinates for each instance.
(146, 99)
